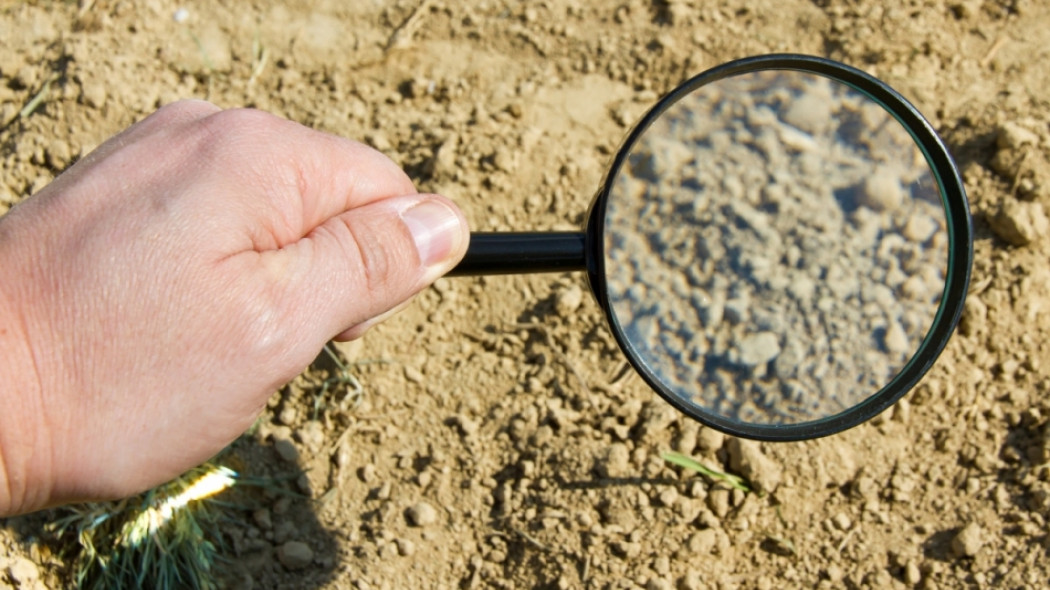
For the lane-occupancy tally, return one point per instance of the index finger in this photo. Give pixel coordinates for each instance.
(286, 177)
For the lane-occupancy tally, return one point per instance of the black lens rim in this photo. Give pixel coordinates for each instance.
(960, 245)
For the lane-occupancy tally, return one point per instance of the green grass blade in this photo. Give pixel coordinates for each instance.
(734, 481)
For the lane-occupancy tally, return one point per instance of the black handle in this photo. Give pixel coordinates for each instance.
(507, 253)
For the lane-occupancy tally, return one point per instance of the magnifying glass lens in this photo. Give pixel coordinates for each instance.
(775, 249)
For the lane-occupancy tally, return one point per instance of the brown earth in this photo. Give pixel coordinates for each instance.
(497, 410)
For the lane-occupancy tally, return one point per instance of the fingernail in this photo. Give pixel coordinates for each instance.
(435, 229)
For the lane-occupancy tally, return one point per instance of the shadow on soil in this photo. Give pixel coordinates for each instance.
(257, 518)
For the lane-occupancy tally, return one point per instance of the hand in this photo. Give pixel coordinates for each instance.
(156, 294)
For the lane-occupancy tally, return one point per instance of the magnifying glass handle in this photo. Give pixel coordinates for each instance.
(502, 253)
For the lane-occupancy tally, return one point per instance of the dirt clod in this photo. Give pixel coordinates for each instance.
(968, 541)
(747, 459)
(1020, 223)
(295, 555)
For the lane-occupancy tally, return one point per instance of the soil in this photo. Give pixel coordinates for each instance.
(499, 439)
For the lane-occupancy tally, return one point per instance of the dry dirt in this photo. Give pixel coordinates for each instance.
(499, 441)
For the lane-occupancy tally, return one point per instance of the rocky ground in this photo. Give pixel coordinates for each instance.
(499, 440)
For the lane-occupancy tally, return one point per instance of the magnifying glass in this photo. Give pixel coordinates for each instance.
(782, 247)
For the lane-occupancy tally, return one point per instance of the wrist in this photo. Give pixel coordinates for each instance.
(24, 451)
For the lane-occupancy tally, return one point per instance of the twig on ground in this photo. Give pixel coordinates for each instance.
(994, 49)
(38, 98)
(402, 35)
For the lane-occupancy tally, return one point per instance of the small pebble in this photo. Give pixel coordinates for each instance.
(58, 154)
(421, 514)
(93, 93)
(810, 113)
(718, 502)
(405, 547)
(367, 473)
(1020, 223)
(882, 190)
(295, 555)
(263, 519)
(912, 573)
(626, 549)
(896, 340)
(968, 541)
(568, 300)
(668, 496)
(616, 461)
(413, 374)
(658, 584)
(312, 435)
(703, 542)
(286, 449)
(22, 571)
(692, 580)
(1011, 136)
(710, 440)
(758, 349)
(288, 415)
(747, 459)
(919, 228)
(841, 521)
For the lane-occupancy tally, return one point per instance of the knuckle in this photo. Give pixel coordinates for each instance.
(184, 110)
(248, 143)
(375, 258)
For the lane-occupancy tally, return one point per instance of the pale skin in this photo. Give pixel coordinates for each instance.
(157, 293)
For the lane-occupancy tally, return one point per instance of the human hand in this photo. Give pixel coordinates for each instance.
(157, 293)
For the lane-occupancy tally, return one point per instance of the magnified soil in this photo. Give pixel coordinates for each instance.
(775, 248)
(499, 440)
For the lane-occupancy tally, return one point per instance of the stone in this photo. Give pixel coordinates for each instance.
(658, 584)
(58, 154)
(1020, 223)
(810, 113)
(405, 547)
(919, 228)
(616, 461)
(747, 459)
(312, 435)
(842, 521)
(93, 93)
(295, 555)
(692, 580)
(703, 542)
(421, 514)
(718, 502)
(912, 573)
(286, 449)
(710, 440)
(968, 541)
(1011, 136)
(568, 300)
(757, 349)
(263, 519)
(882, 190)
(896, 339)
(414, 375)
(22, 571)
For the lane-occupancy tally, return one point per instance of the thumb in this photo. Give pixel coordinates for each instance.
(362, 263)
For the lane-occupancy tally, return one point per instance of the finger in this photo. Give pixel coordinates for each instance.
(365, 262)
(290, 179)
